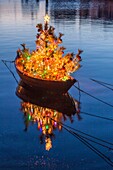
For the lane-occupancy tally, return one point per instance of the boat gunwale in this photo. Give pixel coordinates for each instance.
(34, 78)
(53, 85)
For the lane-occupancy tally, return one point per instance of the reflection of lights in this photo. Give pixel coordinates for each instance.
(47, 121)
(48, 143)
(45, 118)
(55, 123)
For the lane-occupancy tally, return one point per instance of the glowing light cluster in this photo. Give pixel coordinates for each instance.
(48, 61)
(46, 120)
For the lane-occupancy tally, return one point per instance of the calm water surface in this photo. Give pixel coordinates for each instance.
(87, 25)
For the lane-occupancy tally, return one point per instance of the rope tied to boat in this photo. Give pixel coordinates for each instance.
(5, 63)
(93, 96)
(103, 84)
(85, 140)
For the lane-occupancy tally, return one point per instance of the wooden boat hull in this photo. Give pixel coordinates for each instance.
(63, 103)
(46, 85)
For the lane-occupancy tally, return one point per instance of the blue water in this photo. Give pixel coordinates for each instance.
(87, 25)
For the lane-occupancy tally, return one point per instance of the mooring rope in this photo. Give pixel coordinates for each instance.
(105, 146)
(94, 149)
(90, 146)
(101, 117)
(103, 83)
(104, 141)
(93, 96)
(8, 61)
(5, 61)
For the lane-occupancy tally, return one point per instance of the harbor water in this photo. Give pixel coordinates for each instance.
(86, 25)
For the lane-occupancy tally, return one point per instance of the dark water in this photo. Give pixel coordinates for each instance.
(87, 25)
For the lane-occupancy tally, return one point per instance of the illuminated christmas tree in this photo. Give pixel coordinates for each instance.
(48, 61)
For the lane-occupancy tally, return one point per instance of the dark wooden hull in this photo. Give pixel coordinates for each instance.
(46, 85)
(63, 103)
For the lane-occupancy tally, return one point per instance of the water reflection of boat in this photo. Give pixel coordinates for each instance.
(62, 102)
(48, 110)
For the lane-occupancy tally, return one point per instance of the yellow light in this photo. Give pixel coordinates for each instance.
(48, 144)
(46, 18)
